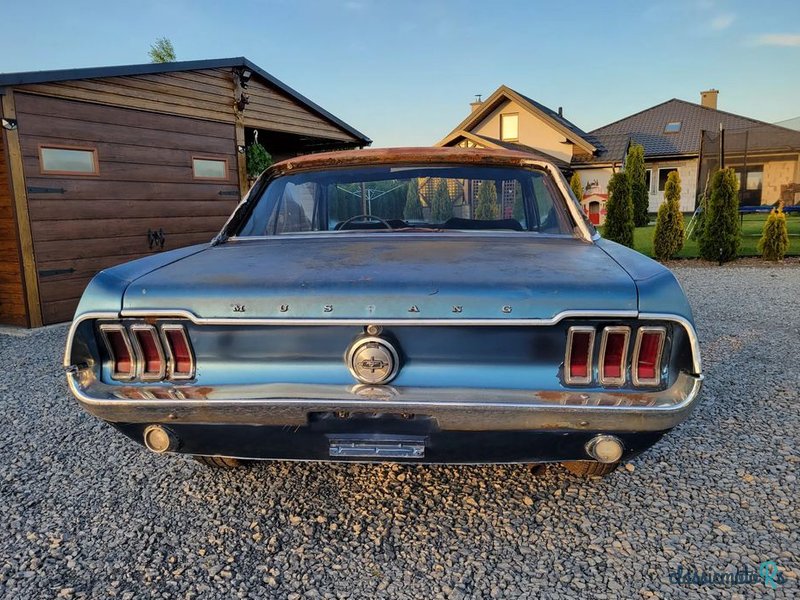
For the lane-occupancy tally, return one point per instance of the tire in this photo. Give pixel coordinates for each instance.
(589, 468)
(219, 462)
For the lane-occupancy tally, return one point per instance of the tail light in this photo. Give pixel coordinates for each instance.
(181, 363)
(614, 355)
(147, 352)
(152, 365)
(118, 345)
(647, 356)
(578, 361)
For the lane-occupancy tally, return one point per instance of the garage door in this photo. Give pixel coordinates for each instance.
(107, 185)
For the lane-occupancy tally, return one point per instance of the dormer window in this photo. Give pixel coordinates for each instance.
(509, 127)
(672, 127)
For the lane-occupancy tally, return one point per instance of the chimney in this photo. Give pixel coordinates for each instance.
(708, 98)
(560, 111)
(477, 104)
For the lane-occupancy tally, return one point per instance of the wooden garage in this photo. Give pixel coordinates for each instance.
(101, 166)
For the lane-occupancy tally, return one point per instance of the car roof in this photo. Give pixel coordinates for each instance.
(416, 156)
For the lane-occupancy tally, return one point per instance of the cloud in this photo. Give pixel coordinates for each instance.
(777, 39)
(721, 22)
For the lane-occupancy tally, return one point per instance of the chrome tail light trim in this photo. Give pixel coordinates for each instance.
(172, 373)
(568, 378)
(105, 328)
(623, 366)
(141, 360)
(637, 348)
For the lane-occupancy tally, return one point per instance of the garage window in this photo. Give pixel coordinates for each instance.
(65, 160)
(209, 168)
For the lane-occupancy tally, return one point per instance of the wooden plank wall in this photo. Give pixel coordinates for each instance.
(12, 293)
(145, 182)
(271, 109)
(203, 94)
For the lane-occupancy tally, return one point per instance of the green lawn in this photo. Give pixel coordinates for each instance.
(751, 232)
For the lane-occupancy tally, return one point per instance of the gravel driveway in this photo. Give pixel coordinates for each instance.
(86, 513)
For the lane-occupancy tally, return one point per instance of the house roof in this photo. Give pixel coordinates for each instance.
(504, 93)
(31, 77)
(647, 128)
(490, 142)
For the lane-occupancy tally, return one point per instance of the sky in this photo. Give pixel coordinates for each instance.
(404, 71)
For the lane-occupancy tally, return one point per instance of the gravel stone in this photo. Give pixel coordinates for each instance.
(86, 513)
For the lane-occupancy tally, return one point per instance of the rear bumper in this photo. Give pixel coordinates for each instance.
(452, 409)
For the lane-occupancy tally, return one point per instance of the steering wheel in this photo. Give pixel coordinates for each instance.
(346, 222)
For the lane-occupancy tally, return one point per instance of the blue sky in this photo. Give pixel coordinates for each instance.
(403, 72)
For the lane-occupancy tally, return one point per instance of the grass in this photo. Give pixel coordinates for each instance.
(751, 233)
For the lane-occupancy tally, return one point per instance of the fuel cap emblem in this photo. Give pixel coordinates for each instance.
(372, 360)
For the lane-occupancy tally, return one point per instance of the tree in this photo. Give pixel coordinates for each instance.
(720, 240)
(634, 166)
(668, 236)
(487, 208)
(619, 211)
(442, 205)
(774, 240)
(413, 209)
(162, 51)
(576, 185)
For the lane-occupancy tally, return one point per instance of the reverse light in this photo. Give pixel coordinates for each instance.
(647, 353)
(614, 355)
(578, 360)
(118, 346)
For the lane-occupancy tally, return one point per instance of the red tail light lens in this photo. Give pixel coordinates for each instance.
(647, 356)
(181, 358)
(578, 361)
(119, 350)
(152, 365)
(614, 355)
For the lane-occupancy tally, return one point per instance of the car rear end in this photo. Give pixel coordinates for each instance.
(460, 391)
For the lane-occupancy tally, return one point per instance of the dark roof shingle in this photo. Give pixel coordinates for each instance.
(647, 128)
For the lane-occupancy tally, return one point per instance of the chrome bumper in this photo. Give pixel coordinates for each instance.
(453, 408)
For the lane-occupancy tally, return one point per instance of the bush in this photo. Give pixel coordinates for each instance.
(668, 235)
(518, 212)
(774, 240)
(720, 240)
(413, 209)
(442, 205)
(576, 185)
(487, 208)
(640, 198)
(619, 211)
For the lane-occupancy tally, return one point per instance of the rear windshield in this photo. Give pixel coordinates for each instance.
(385, 199)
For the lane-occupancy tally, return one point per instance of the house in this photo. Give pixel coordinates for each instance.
(677, 136)
(104, 165)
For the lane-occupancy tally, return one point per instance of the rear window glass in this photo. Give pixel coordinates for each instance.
(385, 199)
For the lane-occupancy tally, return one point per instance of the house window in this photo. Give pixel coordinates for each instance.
(672, 127)
(509, 127)
(662, 177)
(210, 168)
(647, 179)
(65, 160)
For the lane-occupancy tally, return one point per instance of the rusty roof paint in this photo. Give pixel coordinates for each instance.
(416, 156)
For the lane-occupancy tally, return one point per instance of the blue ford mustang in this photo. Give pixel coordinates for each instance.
(419, 305)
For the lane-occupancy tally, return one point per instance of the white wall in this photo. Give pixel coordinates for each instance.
(533, 131)
(687, 169)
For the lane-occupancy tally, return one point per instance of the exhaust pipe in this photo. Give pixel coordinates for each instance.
(160, 440)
